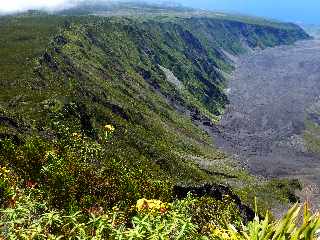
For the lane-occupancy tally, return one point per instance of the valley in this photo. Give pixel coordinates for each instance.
(138, 122)
(273, 110)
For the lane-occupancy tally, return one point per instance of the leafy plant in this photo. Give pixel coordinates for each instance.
(289, 227)
(149, 219)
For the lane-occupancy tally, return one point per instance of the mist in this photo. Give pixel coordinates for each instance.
(286, 10)
(14, 6)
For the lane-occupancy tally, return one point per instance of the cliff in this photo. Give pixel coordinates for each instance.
(101, 109)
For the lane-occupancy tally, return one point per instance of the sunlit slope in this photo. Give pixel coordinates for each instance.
(64, 80)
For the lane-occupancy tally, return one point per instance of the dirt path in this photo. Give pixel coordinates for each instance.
(270, 93)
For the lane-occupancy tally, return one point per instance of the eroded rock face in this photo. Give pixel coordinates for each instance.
(271, 94)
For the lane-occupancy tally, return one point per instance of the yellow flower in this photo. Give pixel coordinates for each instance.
(222, 233)
(116, 209)
(225, 235)
(76, 135)
(109, 128)
(51, 153)
(142, 204)
(152, 205)
(4, 171)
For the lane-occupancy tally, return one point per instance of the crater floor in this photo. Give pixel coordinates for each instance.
(273, 94)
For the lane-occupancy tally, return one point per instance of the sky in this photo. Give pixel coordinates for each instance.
(300, 11)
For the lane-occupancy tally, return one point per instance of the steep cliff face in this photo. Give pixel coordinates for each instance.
(91, 72)
(191, 48)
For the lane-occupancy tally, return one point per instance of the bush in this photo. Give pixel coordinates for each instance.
(7, 182)
(286, 228)
(207, 211)
(29, 218)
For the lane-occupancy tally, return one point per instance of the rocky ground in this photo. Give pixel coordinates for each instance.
(270, 94)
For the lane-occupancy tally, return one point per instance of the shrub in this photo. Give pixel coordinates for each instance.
(31, 218)
(286, 228)
(207, 212)
(7, 182)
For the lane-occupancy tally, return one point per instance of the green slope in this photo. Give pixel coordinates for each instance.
(63, 79)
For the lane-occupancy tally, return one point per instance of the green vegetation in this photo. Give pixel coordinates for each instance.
(191, 218)
(88, 121)
(312, 136)
(286, 228)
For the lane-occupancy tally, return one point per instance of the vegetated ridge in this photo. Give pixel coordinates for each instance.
(102, 111)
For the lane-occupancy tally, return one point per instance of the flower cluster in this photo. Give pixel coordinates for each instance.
(8, 187)
(109, 129)
(151, 205)
(50, 154)
(4, 172)
(220, 232)
(76, 136)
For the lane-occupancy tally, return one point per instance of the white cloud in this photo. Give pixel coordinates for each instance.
(10, 6)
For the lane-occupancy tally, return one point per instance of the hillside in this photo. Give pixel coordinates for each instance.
(102, 111)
